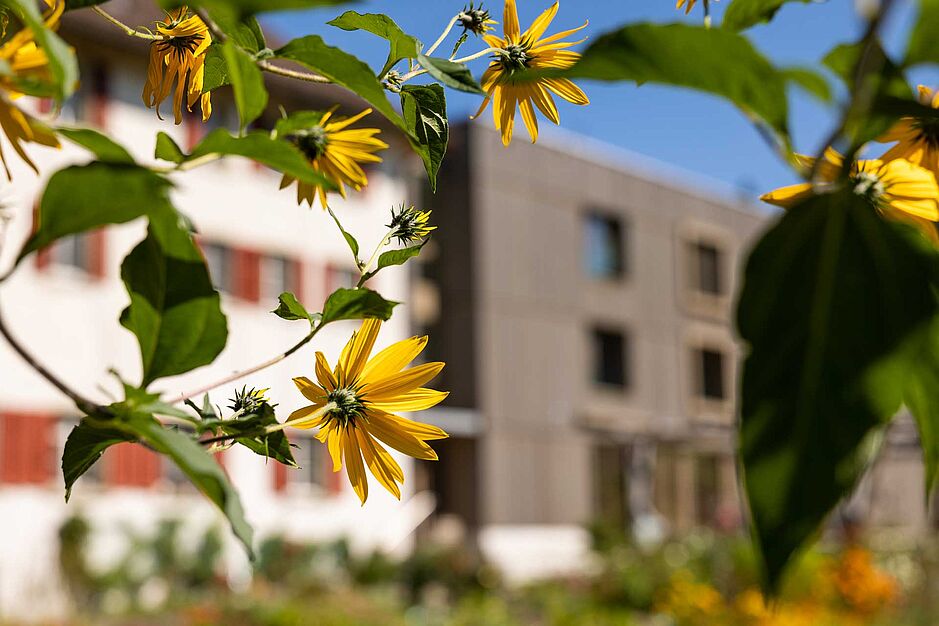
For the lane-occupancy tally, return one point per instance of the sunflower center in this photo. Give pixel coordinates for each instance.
(348, 405)
(181, 46)
(515, 57)
(928, 131)
(869, 186)
(312, 141)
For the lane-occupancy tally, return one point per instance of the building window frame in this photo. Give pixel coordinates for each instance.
(611, 229)
(620, 378)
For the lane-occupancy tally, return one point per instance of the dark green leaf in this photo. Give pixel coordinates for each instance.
(403, 46)
(103, 147)
(73, 201)
(921, 396)
(258, 145)
(167, 149)
(743, 14)
(289, 308)
(62, 63)
(356, 304)
(350, 240)
(809, 80)
(247, 83)
(274, 445)
(830, 295)
(884, 79)
(201, 468)
(713, 60)
(245, 33)
(174, 310)
(343, 69)
(84, 446)
(922, 45)
(425, 112)
(453, 75)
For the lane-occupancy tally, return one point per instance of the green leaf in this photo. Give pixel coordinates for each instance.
(278, 154)
(403, 46)
(216, 69)
(245, 33)
(62, 63)
(201, 468)
(247, 83)
(885, 81)
(103, 147)
(167, 149)
(714, 61)
(350, 240)
(396, 257)
(425, 112)
(73, 201)
(289, 308)
(356, 304)
(453, 75)
(743, 14)
(174, 310)
(343, 69)
(83, 448)
(831, 293)
(922, 44)
(810, 81)
(920, 397)
(274, 445)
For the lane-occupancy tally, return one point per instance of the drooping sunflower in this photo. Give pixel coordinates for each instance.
(687, 4)
(336, 151)
(354, 405)
(179, 57)
(898, 188)
(917, 138)
(26, 61)
(504, 81)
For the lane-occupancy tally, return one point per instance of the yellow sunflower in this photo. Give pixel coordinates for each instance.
(518, 52)
(179, 57)
(25, 60)
(917, 138)
(687, 4)
(354, 405)
(899, 189)
(335, 151)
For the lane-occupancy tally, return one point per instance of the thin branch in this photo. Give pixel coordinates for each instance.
(247, 372)
(133, 32)
(84, 404)
(443, 35)
(861, 97)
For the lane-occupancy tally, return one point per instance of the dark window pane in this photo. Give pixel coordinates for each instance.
(308, 454)
(712, 374)
(603, 247)
(609, 358)
(276, 277)
(219, 260)
(73, 251)
(708, 261)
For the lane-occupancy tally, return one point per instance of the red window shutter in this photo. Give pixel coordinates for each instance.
(280, 476)
(132, 465)
(45, 105)
(97, 250)
(195, 130)
(247, 270)
(333, 479)
(296, 278)
(26, 445)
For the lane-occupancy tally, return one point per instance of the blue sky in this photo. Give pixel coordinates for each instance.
(690, 130)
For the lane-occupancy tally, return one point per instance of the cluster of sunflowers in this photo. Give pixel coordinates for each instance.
(846, 589)
(353, 405)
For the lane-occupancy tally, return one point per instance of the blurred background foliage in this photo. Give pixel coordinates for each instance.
(173, 576)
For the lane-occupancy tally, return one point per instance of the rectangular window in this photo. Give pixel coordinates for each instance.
(339, 276)
(276, 277)
(611, 485)
(219, 260)
(710, 364)
(604, 246)
(706, 270)
(74, 251)
(610, 363)
(309, 456)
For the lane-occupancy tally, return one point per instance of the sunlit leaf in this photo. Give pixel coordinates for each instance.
(741, 14)
(62, 63)
(102, 146)
(425, 111)
(247, 83)
(454, 75)
(355, 304)
(403, 46)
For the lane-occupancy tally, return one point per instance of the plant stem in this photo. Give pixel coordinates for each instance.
(84, 404)
(363, 270)
(133, 32)
(273, 428)
(443, 35)
(247, 372)
(471, 57)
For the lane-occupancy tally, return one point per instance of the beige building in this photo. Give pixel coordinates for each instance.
(584, 310)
